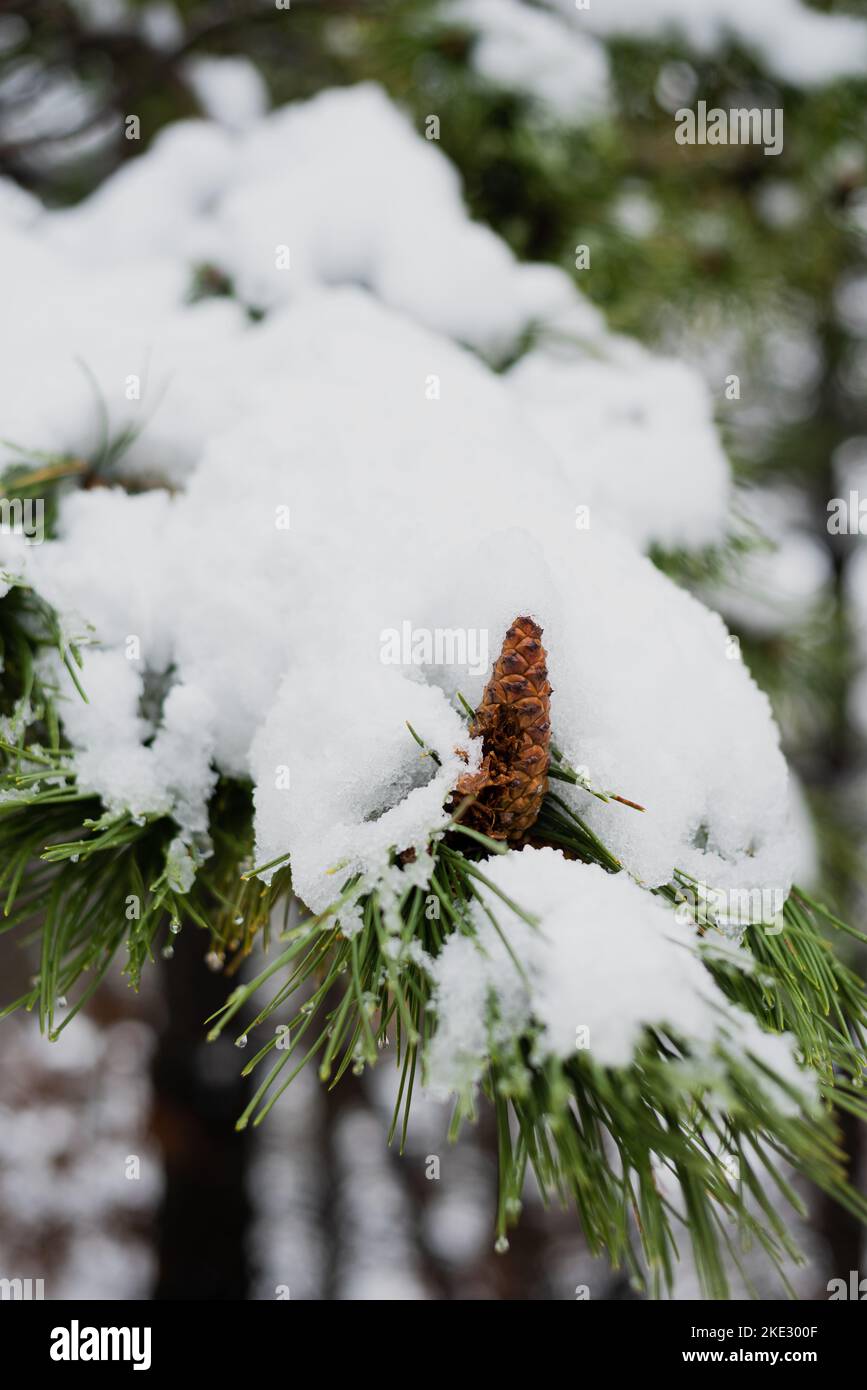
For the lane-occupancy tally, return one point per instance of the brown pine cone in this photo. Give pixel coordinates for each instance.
(513, 721)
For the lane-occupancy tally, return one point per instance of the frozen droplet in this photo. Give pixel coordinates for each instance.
(501, 1245)
(242, 1041)
(168, 952)
(214, 961)
(61, 1001)
(239, 921)
(175, 927)
(74, 858)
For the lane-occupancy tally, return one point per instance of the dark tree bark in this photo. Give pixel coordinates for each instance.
(198, 1095)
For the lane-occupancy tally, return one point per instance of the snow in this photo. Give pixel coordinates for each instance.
(367, 789)
(627, 429)
(792, 41)
(531, 50)
(779, 586)
(152, 206)
(352, 464)
(782, 581)
(18, 208)
(172, 775)
(555, 51)
(606, 961)
(229, 90)
(120, 265)
(110, 531)
(635, 211)
(234, 601)
(318, 180)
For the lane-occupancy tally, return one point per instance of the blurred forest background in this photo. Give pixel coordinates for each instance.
(749, 266)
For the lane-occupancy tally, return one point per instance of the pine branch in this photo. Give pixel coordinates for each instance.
(643, 1153)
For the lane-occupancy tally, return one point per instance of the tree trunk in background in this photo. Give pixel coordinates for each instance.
(202, 1222)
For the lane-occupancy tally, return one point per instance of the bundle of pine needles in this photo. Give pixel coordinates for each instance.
(644, 1153)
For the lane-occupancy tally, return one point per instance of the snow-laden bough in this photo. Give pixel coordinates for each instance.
(288, 532)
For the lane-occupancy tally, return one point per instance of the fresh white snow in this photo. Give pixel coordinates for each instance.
(348, 466)
(606, 961)
(555, 51)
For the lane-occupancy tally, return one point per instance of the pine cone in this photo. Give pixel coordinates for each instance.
(513, 721)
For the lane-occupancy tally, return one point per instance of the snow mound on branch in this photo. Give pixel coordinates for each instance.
(95, 299)
(121, 757)
(649, 700)
(108, 534)
(447, 514)
(306, 196)
(351, 471)
(369, 789)
(18, 208)
(153, 207)
(318, 181)
(231, 90)
(793, 41)
(555, 51)
(92, 352)
(620, 422)
(532, 51)
(606, 961)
